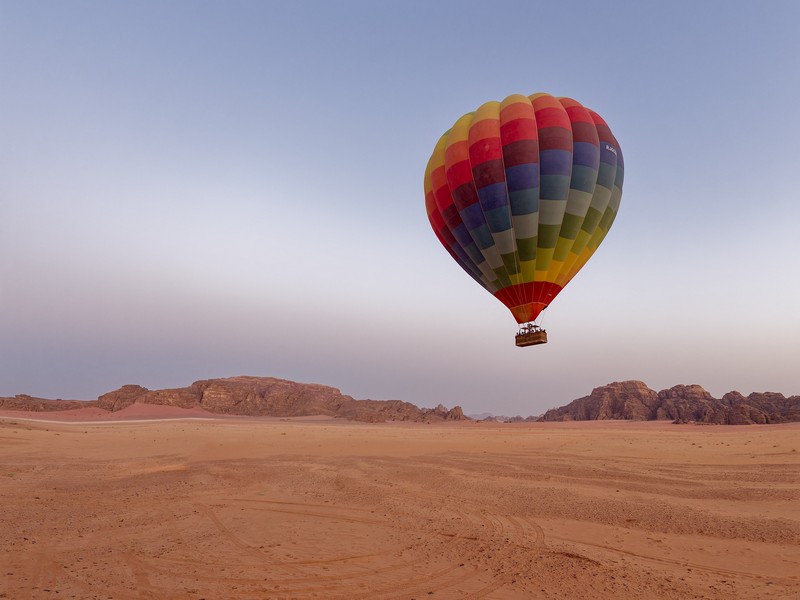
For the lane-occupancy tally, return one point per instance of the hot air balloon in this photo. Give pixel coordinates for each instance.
(521, 193)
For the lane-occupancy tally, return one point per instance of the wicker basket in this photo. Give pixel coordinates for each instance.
(531, 339)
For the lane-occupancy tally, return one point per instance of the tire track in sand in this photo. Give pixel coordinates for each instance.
(677, 562)
(405, 573)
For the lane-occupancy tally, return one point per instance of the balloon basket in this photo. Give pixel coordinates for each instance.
(531, 338)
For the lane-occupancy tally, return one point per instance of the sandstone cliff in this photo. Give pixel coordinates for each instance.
(633, 400)
(268, 396)
(26, 402)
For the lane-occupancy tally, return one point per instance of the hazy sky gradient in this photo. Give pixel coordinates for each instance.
(205, 189)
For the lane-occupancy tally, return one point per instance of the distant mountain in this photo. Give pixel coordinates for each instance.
(491, 418)
(25, 402)
(481, 416)
(251, 396)
(633, 400)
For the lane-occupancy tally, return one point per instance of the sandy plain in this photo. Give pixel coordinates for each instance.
(321, 508)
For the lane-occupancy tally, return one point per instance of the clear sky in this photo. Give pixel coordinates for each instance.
(199, 189)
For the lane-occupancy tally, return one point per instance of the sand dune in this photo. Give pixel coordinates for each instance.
(253, 509)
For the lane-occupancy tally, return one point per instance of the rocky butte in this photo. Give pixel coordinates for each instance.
(633, 400)
(252, 396)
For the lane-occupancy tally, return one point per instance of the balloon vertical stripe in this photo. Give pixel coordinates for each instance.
(520, 142)
(555, 169)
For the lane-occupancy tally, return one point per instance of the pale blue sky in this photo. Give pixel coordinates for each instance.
(205, 189)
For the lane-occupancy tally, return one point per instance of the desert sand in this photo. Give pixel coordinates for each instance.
(209, 508)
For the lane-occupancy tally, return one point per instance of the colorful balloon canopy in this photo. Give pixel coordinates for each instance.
(521, 193)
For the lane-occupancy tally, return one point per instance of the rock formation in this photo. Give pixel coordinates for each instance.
(267, 396)
(630, 400)
(119, 399)
(255, 396)
(26, 402)
(633, 400)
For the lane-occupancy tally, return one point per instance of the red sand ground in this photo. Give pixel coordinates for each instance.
(272, 508)
(134, 411)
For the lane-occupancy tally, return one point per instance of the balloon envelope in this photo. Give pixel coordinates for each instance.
(521, 193)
